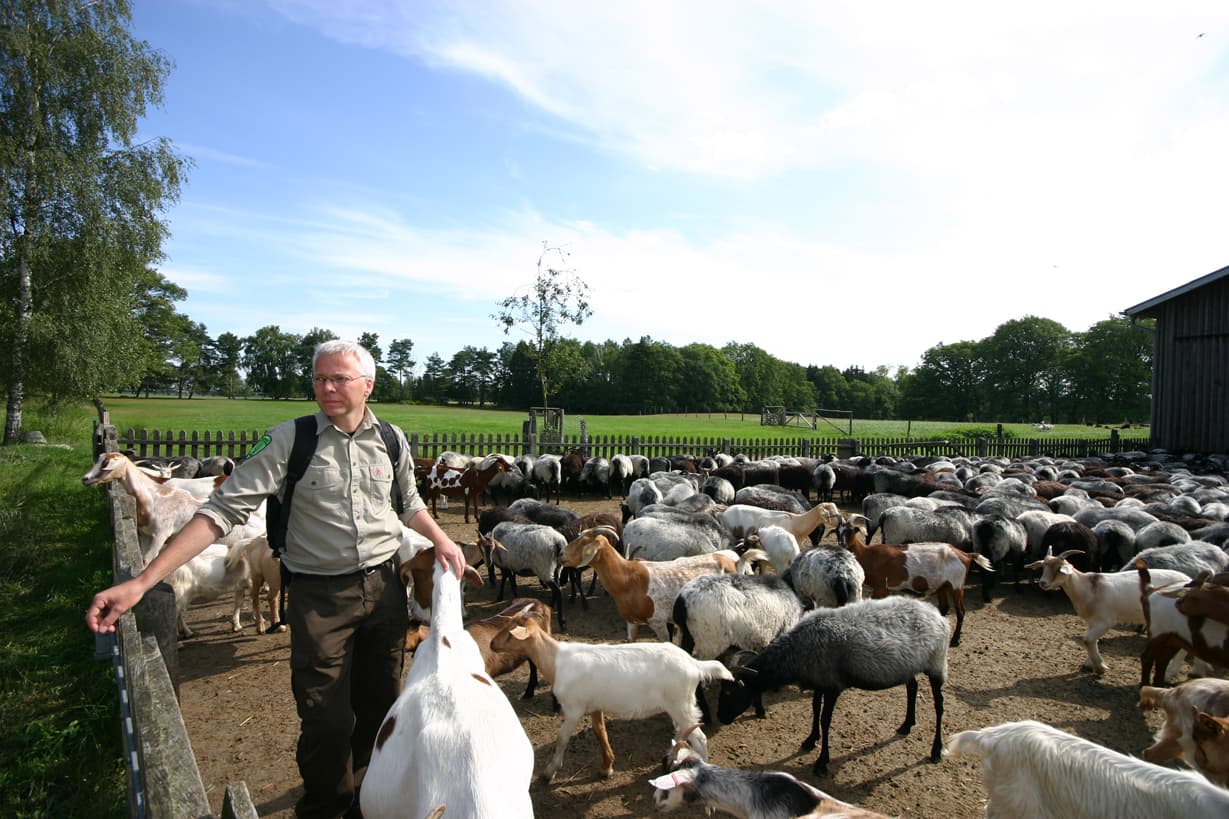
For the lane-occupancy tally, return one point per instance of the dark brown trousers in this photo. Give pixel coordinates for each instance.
(347, 650)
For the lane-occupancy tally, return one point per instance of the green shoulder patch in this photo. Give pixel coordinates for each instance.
(261, 444)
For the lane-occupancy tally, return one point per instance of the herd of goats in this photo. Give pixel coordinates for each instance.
(722, 558)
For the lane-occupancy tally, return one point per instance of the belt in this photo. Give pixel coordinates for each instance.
(390, 563)
(366, 571)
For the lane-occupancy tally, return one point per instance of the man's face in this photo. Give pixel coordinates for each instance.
(335, 396)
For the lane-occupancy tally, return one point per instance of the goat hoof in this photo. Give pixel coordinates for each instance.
(608, 772)
(808, 745)
(904, 730)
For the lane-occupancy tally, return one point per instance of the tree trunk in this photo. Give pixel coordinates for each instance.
(21, 337)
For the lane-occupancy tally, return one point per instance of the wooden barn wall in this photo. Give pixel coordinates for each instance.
(1190, 409)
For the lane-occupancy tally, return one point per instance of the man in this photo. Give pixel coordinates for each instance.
(347, 611)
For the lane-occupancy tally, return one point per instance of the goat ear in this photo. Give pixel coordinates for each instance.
(1205, 725)
(674, 780)
(415, 636)
(472, 577)
(1036, 564)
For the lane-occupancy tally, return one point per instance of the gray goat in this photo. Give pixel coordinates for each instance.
(873, 645)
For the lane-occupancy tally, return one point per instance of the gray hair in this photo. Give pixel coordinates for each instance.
(337, 346)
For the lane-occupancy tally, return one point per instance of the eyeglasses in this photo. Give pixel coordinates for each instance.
(337, 381)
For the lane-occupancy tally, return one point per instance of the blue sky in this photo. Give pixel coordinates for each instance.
(845, 183)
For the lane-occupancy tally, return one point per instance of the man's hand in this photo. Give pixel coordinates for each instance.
(449, 555)
(107, 606)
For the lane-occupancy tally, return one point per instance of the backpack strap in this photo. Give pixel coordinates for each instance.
(278, 514)
(393, 444)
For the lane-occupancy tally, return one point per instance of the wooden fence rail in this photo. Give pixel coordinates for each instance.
(163, 777)
(235, 444)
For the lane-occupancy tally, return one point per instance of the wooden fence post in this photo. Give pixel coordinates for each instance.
(848, 448)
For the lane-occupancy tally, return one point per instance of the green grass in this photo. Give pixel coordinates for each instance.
(59, 727)
(215, 414)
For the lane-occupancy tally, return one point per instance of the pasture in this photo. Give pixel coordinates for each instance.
(221, 414)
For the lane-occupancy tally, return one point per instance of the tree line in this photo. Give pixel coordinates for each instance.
(1029, 370)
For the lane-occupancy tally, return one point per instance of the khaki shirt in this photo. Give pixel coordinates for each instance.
(342, 518)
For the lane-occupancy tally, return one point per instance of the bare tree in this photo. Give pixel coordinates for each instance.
(556, 297)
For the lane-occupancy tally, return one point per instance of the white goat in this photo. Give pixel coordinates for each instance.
(741, 518)
(451, 739)
(779, 544)
(1101, 599)
(630, 680)
(215, 571)
(1033, 770)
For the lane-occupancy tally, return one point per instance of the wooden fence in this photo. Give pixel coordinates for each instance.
(203, 444)
(163, 778)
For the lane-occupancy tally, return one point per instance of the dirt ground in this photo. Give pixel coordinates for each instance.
(1019, 658)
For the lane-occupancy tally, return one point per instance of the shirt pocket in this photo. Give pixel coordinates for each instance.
(375, 481)
(320, 479)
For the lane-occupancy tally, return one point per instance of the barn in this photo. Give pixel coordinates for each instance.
(1190, 365)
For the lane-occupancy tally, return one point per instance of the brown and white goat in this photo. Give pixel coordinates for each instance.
(497, 662)
(1183, 706)
(162, 510)
(417, 573)
(643, 590)
(1170, 631)
(267, 577)
(923, 568)
(1207, 599)
(468, 483)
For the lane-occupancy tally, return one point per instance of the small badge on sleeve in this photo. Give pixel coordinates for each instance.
(261, 444)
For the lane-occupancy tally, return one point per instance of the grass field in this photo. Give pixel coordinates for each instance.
(59, 724)
(220, 414)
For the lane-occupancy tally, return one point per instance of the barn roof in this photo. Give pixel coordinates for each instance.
(1146, 307)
